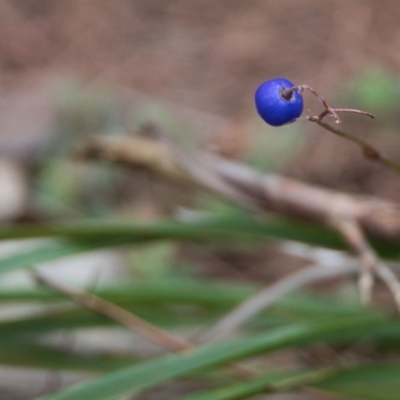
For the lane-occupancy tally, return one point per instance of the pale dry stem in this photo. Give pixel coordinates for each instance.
(134, 323)
(270, 295)
(111, 310)
(371, 265)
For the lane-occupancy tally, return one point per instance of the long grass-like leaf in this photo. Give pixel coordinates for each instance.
(272, 382)
(175, 290)
(364, 382)
(51, 251)
(151, 373)
(371, 382)
(150, 298)
(84, 236)
(37, 356)
(189, 291)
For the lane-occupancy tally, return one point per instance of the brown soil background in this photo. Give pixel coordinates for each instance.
(207, 55)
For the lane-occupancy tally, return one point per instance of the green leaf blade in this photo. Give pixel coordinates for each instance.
(148, 374)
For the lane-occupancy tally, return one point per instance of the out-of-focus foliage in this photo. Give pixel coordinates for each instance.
(336, 347)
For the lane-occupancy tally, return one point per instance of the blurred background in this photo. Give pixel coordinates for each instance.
(73, 68)
(70, 69)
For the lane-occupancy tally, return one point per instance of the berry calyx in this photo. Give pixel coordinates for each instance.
(278, 102)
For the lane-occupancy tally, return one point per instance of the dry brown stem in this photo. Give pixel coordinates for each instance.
(368, 150)
(241, 184)
(351, 216)
(134, 323)
(131, 321)
(369, 260)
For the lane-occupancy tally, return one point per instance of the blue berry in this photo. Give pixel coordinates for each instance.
(275, 107)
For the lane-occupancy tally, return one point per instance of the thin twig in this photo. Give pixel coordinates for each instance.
(341, 110)
(270, 295)
(131, 321)
(329, 109)
(288, 92)
(368, 150)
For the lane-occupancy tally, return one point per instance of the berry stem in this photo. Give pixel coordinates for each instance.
(339, 110)
(354, 111)
(328, 108)
(287, 93)
(369, 151)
